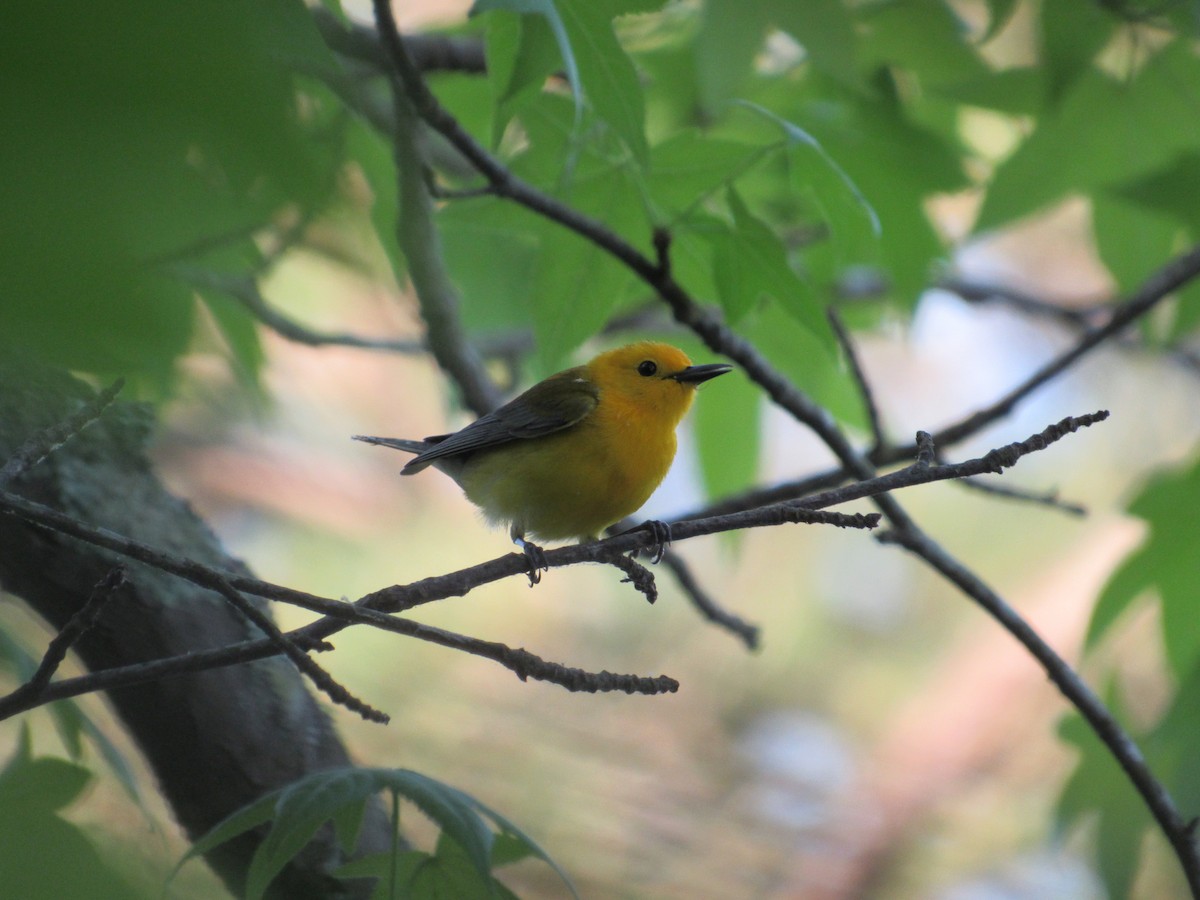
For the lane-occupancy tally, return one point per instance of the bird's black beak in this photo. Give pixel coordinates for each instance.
(697, 374)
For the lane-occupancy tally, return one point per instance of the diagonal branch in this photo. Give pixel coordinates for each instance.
(324, 682)
(1172, 276)
(713, 331)
(417, 235)
(56, 651)
(1123, 748)
(878, 439)
(245, 290)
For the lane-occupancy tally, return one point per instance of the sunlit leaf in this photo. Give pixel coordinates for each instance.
(999, 14)
(610, 81)
(825, 28)
(521, 73)
(1071, 36)
(1147, 124)
(926, 38)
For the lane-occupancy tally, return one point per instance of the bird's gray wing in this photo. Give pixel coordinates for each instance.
(559, 402)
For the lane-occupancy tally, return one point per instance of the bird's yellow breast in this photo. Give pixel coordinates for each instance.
(575, 483)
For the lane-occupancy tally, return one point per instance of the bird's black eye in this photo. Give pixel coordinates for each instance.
(647, 367)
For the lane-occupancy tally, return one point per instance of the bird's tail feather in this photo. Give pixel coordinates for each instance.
(395, 443)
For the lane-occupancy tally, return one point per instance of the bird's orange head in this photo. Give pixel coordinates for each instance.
(650, 378)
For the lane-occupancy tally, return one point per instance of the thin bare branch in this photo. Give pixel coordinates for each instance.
(1046, 498)
(1176, 828)
(301, 660)
(45, 442)
(437, 297)
(1174, 275)
(749, 633)
(245, 290)
(635, 573)
(979, 293)
(56, 651)
(430, 52)
(878, 440)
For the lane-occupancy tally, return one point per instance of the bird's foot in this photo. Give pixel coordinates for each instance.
(661, 533)
(535, 559)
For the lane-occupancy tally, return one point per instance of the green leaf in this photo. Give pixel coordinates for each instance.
(1166, 562)
(71, 721)
(522, 52)
(549, 12)
(1148, 122)
(692, 255)
(750, 261)
(924, 37)
(809, 361)
(491, 256)
(204, 150)
(1187, 312)
(459, 92)
(826, 31)
(374, 157)
(450, 873)
(240, 331)
(731, 34)
(1019, 91)
(1071, 36)
(689, 167)
(43, 785)
(1132, 241)
(1098, 785)
(239, 822)
(609, 79)
(339, 795)
(41, 854)
(1171, 746)
(1170, 190)
(510, 848)
(554, 156)
(302, 808)
(335, 7)
(576, 284)
(891, 160)
(850, 216)
(728, 422)
(999, 14)
(1124, 585)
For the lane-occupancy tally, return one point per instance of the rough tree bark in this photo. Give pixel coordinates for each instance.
(216, 740)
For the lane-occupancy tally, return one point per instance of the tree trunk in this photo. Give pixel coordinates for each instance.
(215, 740)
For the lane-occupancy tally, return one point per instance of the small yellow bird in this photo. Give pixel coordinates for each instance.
(574, 453)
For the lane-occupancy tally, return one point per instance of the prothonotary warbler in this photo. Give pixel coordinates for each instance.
(574, 453)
